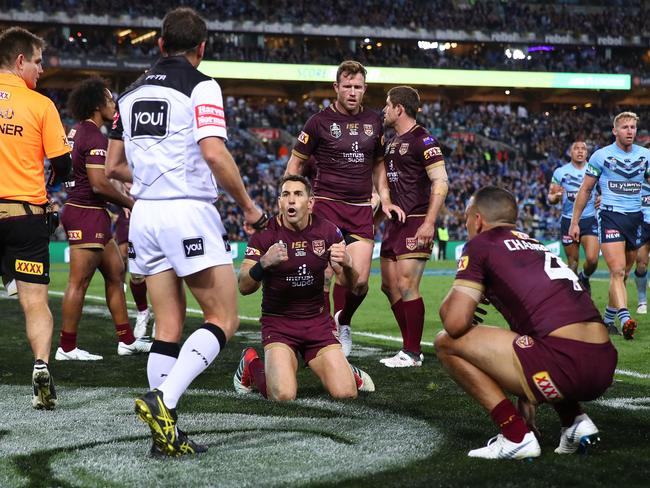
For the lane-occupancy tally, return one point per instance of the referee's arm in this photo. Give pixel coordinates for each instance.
(117, 167)
(226, 172)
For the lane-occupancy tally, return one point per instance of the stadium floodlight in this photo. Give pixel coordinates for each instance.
(426, 45)
(418, 76)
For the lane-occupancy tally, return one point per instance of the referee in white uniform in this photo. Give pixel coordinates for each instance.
(168, 138)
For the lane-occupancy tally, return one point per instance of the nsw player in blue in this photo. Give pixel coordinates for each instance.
(620, 169)
(564, 187)
(641, 271)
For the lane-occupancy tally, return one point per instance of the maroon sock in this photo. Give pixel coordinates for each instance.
(339, 297)
(326, 302)
(256, 368)
(398, 312)
(512, 425)
(414, 318)
(352, 302)
(68, 341)
(124, 333)
(139, 292)
(567, 410)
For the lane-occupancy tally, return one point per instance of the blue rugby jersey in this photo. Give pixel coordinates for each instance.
(620, 176)
(645, 201)
(570, 178)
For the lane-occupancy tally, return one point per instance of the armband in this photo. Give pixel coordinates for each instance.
(261, 223)
(256, 272)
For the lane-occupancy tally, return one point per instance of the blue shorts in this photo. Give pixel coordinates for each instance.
(621, 227)
(645, 233)
(588, 227)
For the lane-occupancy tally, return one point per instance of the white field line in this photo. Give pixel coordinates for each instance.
(372, 335)
(196, 312)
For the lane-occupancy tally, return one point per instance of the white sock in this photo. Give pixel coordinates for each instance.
(198, 352)
(158, 368)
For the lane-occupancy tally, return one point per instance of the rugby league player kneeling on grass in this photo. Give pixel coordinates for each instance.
(288, 260)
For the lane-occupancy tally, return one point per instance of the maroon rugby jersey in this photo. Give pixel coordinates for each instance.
(346, 148)
(88, 151)
(294, 288)
(533, 289)
(407, 159)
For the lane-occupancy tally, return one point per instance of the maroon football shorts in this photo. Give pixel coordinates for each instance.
(555, 368)
(399, 240)
(353, 219)
(307, 337)
(88, 227)
(121, 228)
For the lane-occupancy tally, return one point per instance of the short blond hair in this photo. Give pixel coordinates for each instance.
(625, 115)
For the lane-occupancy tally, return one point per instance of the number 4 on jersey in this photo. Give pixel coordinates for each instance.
(555, 269)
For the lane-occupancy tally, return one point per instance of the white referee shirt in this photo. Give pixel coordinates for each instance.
(161, 118)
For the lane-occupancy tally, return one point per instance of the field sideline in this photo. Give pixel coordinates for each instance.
(416, 429)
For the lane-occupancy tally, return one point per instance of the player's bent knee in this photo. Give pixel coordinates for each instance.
(343, 393)
(281, 394)
(442, 343)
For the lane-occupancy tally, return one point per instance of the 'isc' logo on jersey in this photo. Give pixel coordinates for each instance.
(149, 118)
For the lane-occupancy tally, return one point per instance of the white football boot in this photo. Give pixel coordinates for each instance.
(139, 346)
(578, 437)
(402, 360)
(141, 323)
(501, 448)
(76, 355)
(642, 309)
(345, 335)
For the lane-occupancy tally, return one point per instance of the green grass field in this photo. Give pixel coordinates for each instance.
(414, 430)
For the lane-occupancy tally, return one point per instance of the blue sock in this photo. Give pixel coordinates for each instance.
(641, 286)
(610, 315)
(623, 315)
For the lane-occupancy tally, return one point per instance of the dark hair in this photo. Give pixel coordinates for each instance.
(183, 30)
(87, 97)
(350, 68)
(16, 41)
(299, 178)
(407, 97)
(496, 205)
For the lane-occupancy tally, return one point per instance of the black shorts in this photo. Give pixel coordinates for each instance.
(645, 233)
(621, 227)
(588, 227)
(25, 248)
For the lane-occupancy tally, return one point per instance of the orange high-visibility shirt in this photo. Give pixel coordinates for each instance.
(30, 129)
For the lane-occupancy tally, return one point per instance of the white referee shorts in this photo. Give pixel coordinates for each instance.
(184, 235)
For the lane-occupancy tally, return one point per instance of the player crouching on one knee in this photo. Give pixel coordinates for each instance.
(288, 260)
(557, 350)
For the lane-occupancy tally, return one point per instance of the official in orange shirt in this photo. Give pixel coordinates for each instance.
(30, 130)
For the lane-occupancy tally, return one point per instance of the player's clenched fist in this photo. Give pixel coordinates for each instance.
(339, 256)
(276, 254)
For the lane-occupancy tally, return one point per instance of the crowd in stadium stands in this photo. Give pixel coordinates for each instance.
(102, 42)
(483, 144)
(486, 15)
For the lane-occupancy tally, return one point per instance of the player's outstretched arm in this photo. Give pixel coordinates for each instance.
(579, 205)
(117, 167)
(224, 169)
(457, 310)
(341, 262)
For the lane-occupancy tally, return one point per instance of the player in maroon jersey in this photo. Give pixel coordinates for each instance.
(557, 350)
(88, 226)
(418, 185)
(347, 143)
(137, 283)
(288, 260)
